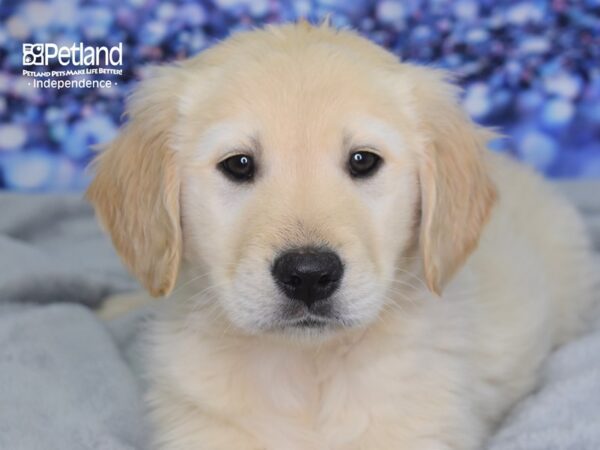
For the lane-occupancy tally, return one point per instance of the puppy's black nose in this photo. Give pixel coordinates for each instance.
(308, 274)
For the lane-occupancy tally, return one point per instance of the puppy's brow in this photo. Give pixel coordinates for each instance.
(369, 131)
(227, 136)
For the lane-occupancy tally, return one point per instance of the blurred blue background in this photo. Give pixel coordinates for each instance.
(531, 68)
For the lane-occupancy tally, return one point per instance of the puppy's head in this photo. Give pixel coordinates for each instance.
(294, 172)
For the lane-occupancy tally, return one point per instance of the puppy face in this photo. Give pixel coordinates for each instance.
(295, 171)
(294, 214)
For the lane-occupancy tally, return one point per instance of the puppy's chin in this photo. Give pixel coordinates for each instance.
(306, 329)
(308, 332)
(309, 328)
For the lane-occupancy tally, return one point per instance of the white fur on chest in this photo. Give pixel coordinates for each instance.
(389, 385)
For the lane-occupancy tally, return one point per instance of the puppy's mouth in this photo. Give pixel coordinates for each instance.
(314, 317)
(308, 322)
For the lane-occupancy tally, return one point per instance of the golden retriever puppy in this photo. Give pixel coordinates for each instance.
(348, 267)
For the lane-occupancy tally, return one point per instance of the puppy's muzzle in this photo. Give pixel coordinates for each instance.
(308, 275)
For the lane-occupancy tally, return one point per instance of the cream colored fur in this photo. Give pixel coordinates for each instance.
(463, 270)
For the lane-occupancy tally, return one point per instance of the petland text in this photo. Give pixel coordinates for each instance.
(77, 54)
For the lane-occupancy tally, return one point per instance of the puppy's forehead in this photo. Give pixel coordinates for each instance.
(297, 72)
(291, 88)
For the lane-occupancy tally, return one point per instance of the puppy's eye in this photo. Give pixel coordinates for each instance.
(238, 168)
(363, 164)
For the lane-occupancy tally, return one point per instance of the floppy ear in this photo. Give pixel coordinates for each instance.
(135, 191)
(457, 193)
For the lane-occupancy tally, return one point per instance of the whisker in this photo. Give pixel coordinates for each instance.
(404, 296)
(406, 272)
(195, 278)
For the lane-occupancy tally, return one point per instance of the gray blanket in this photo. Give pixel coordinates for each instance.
(70, 381)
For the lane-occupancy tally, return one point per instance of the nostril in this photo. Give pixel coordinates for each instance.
(325, 280)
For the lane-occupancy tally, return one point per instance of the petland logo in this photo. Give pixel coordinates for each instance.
(86, 59)
(77, 55)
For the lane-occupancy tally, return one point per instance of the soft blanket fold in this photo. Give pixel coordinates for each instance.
(63, 383)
